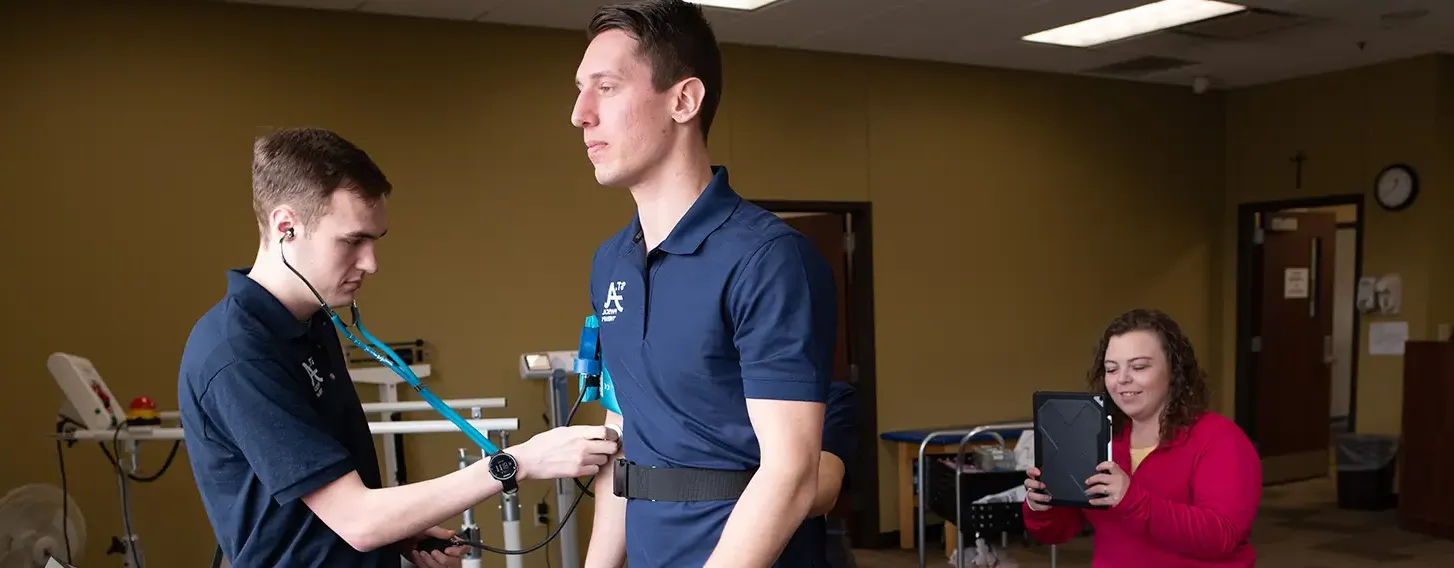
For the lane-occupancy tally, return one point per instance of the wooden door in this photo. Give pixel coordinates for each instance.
(1292, 343)
(827, 231)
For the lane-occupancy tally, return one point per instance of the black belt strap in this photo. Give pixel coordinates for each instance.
(678, 484)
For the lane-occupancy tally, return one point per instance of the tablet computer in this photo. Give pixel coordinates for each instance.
(1072, 437)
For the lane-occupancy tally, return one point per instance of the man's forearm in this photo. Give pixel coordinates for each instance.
(770, 510)
(392, 514)
(607, 548)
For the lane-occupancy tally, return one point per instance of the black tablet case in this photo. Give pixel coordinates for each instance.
(1072, 437)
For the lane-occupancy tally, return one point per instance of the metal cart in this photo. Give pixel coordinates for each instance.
(959, 489)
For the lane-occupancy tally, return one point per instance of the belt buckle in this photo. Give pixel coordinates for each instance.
(619, 482)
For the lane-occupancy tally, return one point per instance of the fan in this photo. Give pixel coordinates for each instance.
(32, 530)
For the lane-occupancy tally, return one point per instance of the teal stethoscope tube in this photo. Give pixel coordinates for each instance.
(392, 361)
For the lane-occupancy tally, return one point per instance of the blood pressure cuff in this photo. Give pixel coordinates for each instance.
(632, 481)
(608, 392)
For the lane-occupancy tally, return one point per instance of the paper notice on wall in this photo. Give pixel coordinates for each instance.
(1387, 337)
(1295, 283)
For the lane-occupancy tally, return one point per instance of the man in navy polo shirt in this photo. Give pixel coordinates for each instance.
(278, 441)
(717, 319)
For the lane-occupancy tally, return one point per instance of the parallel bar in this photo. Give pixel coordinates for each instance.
(442, 426)
(384, 375)
(404, 406)
(421, 405)
(377, 428)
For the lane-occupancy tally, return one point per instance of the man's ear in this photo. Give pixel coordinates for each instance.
(281, 221)
(688, 98)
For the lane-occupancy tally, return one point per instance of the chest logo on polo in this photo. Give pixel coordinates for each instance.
(613, 301)
(315, 377)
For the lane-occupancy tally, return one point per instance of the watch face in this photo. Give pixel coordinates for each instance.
(502, 466)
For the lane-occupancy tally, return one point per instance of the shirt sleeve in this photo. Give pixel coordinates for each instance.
(1226, 485)
(785, 316)
(840, 424)
(259, 407)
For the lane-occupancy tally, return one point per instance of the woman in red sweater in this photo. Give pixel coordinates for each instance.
(1183, 483)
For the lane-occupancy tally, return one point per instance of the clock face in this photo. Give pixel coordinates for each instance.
(1395, 187)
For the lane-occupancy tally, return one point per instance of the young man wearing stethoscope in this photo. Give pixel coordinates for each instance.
(278, 442)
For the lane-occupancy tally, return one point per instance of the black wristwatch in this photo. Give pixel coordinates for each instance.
(503, 468)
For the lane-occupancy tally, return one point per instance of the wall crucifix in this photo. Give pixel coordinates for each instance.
(1297, 160)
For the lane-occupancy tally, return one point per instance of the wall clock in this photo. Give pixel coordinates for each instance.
(1396, 187)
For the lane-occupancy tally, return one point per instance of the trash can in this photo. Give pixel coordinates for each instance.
(1366, 465)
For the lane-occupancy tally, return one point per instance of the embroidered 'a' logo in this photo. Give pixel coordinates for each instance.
(612, 306)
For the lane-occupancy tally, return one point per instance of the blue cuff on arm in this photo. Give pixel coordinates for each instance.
(270, 417)
(784, 305)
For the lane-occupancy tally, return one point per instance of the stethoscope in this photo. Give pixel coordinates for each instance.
(392, 361)
(376, 349)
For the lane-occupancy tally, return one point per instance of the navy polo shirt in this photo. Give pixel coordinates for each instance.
(733, 304)
(270, 414)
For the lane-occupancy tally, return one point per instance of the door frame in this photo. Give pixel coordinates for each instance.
(1245, 389)
(864, 530)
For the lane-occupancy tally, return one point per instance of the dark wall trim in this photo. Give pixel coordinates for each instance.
(1247, 255)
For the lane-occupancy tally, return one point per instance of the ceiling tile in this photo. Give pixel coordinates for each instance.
(318, 4)
(1163, 43)
(720, 19)
(1340, 9)
(568, 14)
(445, 9)
(790, 21)
(910, 22)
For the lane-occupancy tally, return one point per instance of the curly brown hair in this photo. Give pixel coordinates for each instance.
(1188, 389)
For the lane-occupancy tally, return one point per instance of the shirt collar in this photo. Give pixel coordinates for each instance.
(261, 304)
(1180, 437)
(709, 211)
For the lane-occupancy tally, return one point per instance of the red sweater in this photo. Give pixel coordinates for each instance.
(1189, 504)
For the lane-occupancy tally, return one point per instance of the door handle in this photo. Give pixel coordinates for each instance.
(1313, 254)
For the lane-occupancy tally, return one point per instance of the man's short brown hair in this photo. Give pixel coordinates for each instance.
(675, 38)
(302, 167)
